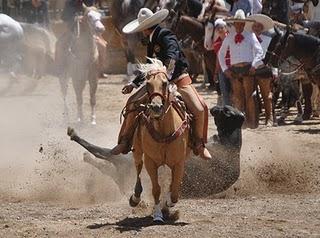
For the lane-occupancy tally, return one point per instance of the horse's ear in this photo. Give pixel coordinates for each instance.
(84, 6)
(276, 30)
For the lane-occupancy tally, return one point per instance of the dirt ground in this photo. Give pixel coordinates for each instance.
(46, 190)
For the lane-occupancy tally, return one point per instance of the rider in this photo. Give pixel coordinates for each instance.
(72, 9)
(163, 45)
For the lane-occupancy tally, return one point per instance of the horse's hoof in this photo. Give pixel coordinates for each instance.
(71, 132)
(93, 123)
(134, 201)
(158, 220)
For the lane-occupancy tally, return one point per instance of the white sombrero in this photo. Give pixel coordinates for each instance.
(266, 21)
(239, 16)
(146, 19)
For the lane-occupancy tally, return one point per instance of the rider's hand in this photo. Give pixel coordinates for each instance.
(127, 89)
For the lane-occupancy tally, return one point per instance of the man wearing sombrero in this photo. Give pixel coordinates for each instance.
(163, 45)
(246, 55)
(263, 74)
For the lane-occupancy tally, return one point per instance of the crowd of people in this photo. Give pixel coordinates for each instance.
(241, 51)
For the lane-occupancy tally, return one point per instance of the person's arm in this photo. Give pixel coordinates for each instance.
(171, 47)
(222, 53)
(257, 51)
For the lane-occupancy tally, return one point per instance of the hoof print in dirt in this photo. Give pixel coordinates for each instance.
(215, 176)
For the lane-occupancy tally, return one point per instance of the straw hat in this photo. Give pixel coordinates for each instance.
(239, 16)
(266, 21)
(146, 19)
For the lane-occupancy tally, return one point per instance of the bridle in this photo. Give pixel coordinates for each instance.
(166, 93)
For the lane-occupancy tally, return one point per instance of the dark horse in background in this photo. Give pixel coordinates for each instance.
(304, 48)
(185, 25)
(122, 12)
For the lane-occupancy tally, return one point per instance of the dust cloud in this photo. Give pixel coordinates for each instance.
(38, 162)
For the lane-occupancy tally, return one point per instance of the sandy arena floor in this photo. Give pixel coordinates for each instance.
(46, 190)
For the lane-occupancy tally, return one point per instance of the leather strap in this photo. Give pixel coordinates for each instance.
(164, 139)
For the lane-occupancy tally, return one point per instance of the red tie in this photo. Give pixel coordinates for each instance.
(238, 38)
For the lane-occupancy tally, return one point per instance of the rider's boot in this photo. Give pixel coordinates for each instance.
(126, 135)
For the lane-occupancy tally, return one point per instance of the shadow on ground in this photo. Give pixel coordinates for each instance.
(135, 224)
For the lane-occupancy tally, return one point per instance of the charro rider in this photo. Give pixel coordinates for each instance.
(164, 45)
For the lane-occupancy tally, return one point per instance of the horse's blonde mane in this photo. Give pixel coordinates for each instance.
(154, 65)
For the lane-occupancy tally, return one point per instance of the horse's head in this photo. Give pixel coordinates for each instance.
(93, 18)
(157, 87)
(278, 47)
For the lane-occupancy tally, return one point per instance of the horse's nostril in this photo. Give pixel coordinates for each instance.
(156, 107)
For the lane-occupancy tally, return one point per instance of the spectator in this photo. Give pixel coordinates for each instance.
(246, 55)
(224, 82)
(263, 74)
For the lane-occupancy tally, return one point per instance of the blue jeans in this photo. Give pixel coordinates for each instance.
(225, 88)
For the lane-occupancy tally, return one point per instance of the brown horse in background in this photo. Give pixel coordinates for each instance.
(161, 138)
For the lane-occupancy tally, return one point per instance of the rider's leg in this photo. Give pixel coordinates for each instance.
(199, 111)
(129, 124)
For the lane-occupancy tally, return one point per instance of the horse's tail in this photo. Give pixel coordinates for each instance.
(38, 36)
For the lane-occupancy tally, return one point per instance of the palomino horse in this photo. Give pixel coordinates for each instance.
(83, 63)
(162, 138)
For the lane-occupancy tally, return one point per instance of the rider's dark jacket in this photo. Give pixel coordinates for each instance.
(165, 47)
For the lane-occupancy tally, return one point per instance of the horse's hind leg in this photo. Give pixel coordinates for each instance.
(138, 160)
(63, 80)
(78, 84)
(93, 83)
(152, 170)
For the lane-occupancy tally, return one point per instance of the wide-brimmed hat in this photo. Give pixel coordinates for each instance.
(239, 16)
(297, 7)
(266, 21)
(146, 19)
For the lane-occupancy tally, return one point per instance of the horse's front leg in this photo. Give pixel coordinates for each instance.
(93, 83)
(152, 170)
(177, 172)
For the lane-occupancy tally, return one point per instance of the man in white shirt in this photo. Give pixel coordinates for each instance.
(246, 55)
(263, 74)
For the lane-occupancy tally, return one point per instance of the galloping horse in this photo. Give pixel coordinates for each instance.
(83, 60)
(162, 138)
